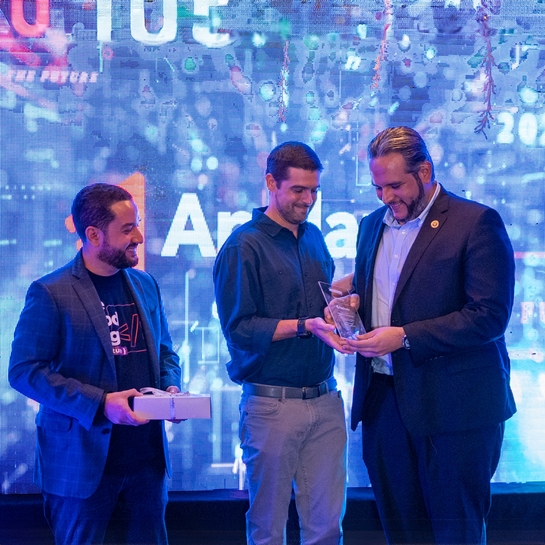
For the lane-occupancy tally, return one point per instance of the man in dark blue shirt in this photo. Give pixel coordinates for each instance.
(292, 425)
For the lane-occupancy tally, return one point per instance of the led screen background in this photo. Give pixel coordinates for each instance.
(181, 101)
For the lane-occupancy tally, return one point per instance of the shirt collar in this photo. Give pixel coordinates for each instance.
(270, 226)
(392, 222)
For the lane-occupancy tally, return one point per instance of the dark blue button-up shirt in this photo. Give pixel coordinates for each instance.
(262, 275)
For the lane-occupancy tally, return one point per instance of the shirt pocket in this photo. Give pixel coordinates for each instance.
(322, 271)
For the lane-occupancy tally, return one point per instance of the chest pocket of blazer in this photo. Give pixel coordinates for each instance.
(53, 421)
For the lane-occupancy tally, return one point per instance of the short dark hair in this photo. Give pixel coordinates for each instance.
(291, 154)
(92, 206)
(405, 141)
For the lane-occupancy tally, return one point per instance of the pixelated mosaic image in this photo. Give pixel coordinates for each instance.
(180, 101)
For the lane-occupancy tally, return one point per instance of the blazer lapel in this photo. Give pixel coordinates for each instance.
(374, 234)
(85, 289)
(436, 218)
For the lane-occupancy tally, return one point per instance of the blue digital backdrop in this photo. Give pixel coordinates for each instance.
(180, 101)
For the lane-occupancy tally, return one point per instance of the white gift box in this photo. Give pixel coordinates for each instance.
(160, 405)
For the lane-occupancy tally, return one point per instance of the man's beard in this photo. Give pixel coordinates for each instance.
(289, 213)
(419, 204)
(116, 258)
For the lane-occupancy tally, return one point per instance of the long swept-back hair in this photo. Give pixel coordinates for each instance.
(405, 141)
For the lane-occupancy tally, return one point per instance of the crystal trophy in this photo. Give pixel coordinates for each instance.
(347, 319)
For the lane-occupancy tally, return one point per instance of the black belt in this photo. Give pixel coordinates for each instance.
(281, 392)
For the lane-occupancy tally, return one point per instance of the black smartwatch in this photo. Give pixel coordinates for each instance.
(302, 332)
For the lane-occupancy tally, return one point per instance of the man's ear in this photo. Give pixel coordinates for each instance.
(271, 182)
(94, 235)
(425, 172)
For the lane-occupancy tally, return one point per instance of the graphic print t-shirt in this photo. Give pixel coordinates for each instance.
(131, 447)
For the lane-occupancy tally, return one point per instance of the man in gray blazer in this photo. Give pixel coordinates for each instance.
(435, 276)
(90, 335)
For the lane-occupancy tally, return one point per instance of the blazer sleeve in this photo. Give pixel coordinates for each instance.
(483, 287)
(38, 357)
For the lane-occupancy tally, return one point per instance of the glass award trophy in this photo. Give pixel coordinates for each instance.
(347, 319)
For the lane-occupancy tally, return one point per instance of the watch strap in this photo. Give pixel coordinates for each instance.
(302, 331)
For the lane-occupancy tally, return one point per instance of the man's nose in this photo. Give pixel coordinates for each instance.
(387, 195)
(137, 236)
(309, 197)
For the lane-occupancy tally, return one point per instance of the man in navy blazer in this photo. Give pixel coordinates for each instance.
(435, 277)
(90, 335)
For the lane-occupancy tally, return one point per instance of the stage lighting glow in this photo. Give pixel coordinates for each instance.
(180, 101)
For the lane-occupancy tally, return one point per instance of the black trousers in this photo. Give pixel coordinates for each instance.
(429, 489)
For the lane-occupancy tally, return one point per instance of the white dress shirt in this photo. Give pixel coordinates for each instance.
(397, 240)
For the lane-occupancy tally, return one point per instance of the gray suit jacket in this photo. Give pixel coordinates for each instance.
(62, 357)
(454, 299)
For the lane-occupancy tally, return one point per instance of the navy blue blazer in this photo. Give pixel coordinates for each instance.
(454, 299)
(62, 357)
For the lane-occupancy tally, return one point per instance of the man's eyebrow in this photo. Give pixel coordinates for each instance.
(388, 183)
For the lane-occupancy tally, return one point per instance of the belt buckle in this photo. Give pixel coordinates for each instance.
(304, 389)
